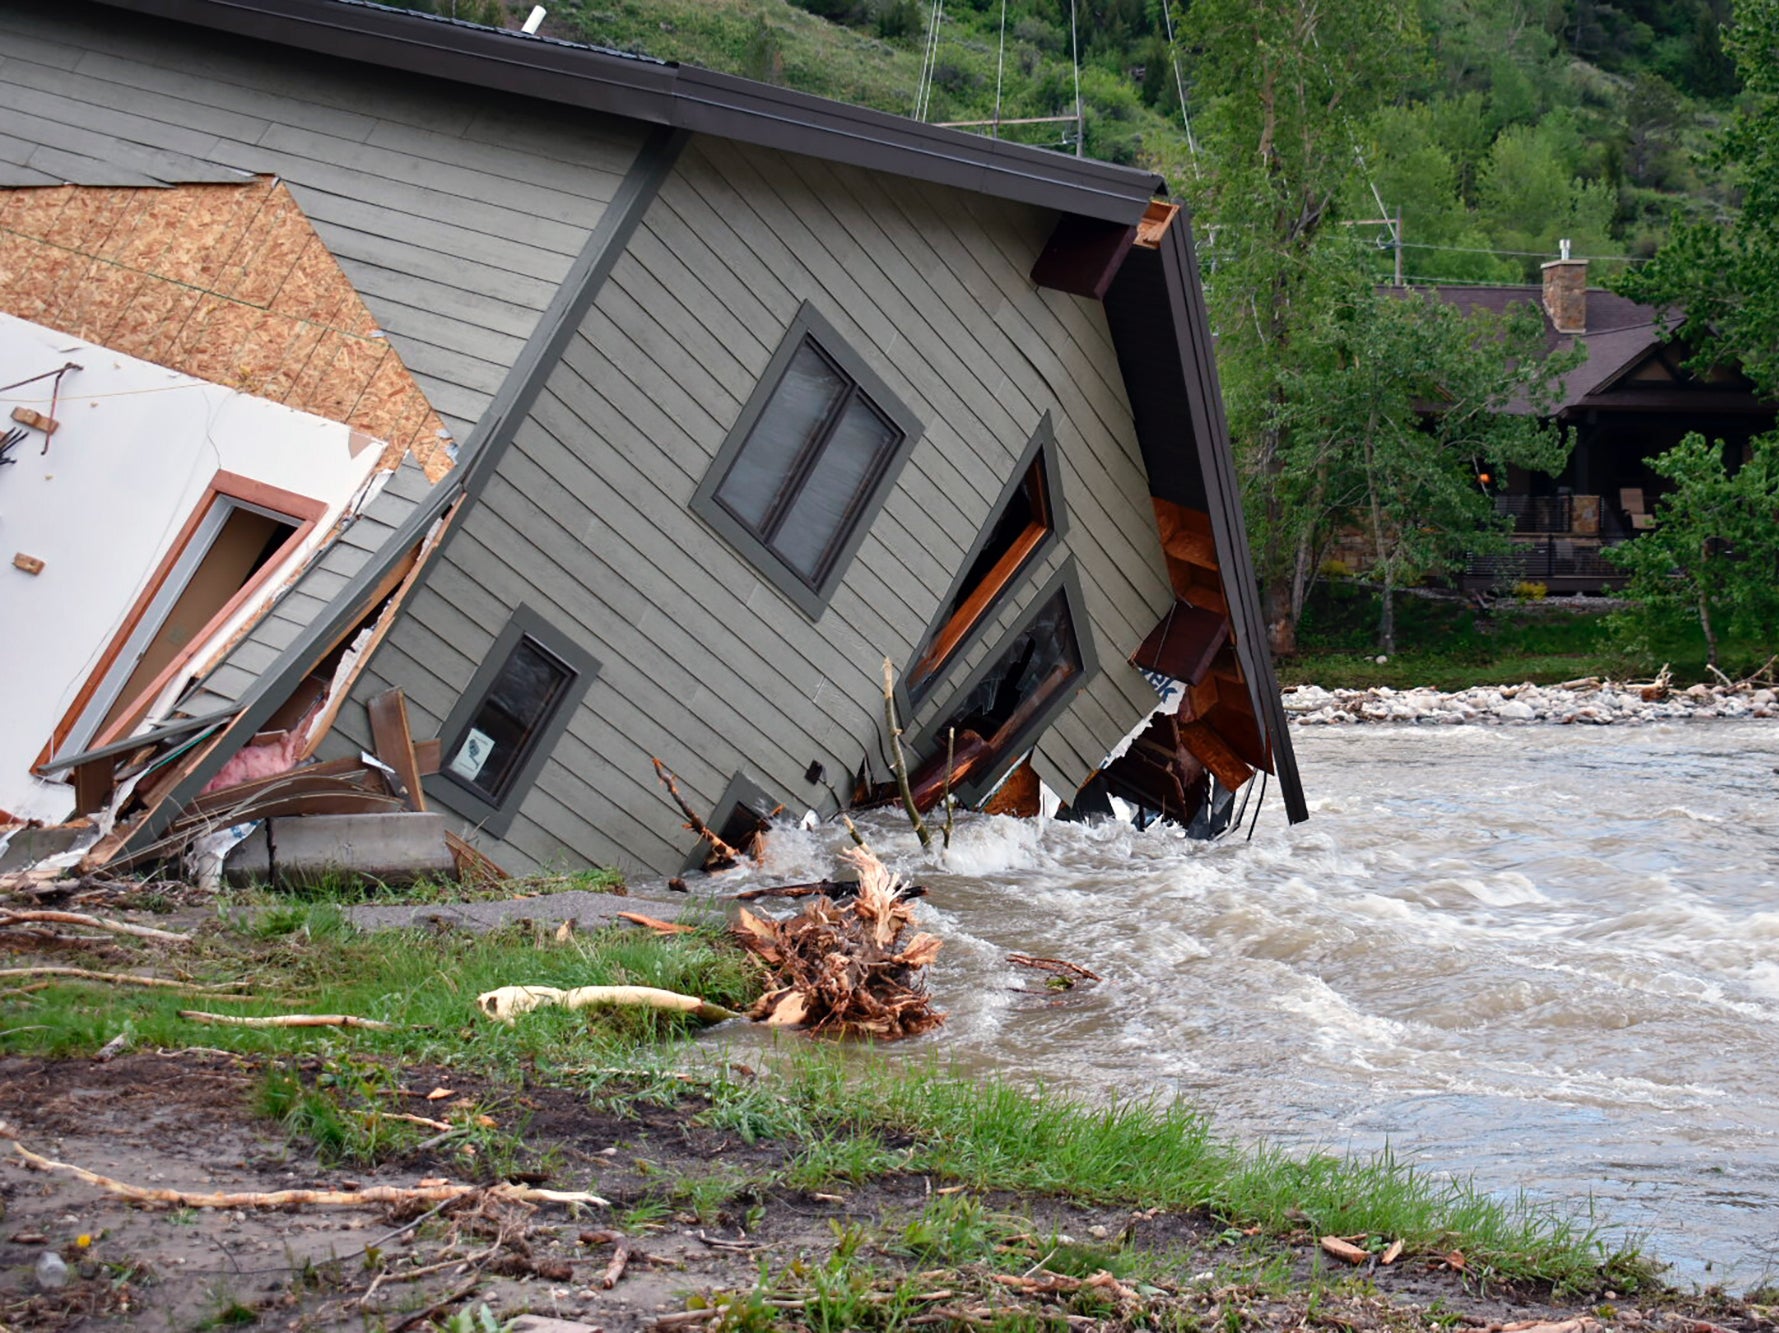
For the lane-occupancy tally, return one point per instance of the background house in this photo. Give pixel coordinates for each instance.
(1630, 400)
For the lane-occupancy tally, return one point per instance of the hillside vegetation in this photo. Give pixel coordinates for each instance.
(1511, 124)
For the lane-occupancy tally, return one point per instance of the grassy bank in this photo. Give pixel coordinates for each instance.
(1450, 644)
(839, 1119)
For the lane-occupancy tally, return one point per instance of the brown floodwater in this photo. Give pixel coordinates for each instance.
(1544, 957)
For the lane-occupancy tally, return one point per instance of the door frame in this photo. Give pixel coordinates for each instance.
(226, 492)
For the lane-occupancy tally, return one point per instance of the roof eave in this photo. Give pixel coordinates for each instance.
(683, 96)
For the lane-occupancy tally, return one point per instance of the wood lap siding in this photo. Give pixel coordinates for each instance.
(703, 662)
(455, 214)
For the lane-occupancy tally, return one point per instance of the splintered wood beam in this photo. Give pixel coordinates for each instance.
(429, 755)
(1211, 750)
(94, 782)
(394, 743)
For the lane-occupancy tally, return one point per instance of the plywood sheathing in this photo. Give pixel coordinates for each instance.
(229, 283)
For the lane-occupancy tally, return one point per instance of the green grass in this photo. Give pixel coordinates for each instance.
(1448, 644)
(847, 1116)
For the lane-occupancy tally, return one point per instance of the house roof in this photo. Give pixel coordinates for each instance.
(1620, 332)
(677, 96)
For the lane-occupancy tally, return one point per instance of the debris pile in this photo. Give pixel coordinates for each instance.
(852, 969)
(1590, 701)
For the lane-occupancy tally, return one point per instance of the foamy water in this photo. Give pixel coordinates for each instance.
(1548, 957)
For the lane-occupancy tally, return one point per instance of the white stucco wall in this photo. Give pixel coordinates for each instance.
(135, 455)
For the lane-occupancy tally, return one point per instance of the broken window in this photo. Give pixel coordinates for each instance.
(506, 722)
(807, 464)
(1036, 669)
(1025, 517)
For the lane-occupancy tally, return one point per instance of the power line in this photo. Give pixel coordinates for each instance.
(1000, 67)
(1173, 51)
(1523, 254)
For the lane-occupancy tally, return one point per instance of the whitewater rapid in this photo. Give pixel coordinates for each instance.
(1545, 957)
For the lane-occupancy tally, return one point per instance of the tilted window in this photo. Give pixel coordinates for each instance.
(510, 716)
(1037, 668)
(1025, 517)
(808, 463)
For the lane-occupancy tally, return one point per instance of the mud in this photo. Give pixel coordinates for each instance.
(186, 1120)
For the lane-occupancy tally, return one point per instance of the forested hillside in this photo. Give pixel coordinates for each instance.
(1508, 123)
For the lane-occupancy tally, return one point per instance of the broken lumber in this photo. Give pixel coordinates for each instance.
(377, 1196)
(655, 924)
(394, 741)
(508, 1002)
(288, 1020)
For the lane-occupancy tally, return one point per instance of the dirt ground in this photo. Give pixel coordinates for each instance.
(185, 1120)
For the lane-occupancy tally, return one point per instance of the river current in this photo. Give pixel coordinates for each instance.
(1544, 957)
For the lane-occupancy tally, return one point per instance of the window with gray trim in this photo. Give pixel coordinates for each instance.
(1026, 518)
(809, 462)
(1033, 672)
(510, 716)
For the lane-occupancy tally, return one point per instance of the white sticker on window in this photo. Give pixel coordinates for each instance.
(473, 755)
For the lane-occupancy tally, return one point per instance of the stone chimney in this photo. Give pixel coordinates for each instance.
(1566, 292)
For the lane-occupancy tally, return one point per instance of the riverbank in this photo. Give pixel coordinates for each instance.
(820, 1189)
(1584, 702)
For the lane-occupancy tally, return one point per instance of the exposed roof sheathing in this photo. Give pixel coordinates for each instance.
(228, 283)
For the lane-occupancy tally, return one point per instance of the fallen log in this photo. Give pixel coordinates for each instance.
(377, 1196)
(508, 1002)
(289, 1020)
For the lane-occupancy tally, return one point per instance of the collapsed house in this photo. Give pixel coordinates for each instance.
(748, 390)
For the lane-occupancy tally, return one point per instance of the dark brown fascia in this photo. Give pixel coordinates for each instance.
(681, 96)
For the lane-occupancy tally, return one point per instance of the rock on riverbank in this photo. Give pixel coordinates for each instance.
(1591, 702)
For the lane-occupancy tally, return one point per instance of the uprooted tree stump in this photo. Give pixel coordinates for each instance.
(851, 970)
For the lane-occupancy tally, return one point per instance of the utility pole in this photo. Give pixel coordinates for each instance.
(1396, 234)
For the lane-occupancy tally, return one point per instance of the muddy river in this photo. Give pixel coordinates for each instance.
(1547, 957)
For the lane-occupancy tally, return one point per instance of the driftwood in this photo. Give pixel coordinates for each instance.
(289, 1020)
(898, 761)
(847, 969)
(377, 1196)
(722, 855)
(118, 979)
(8, 917)
(509, 1002)
(619, 1261)
(822, 886)
(1057, 966)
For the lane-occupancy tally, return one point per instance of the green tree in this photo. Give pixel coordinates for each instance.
(1281, 87)
(1724, 275)
(1713, 556)
(1395, 407)
(1529, 197)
